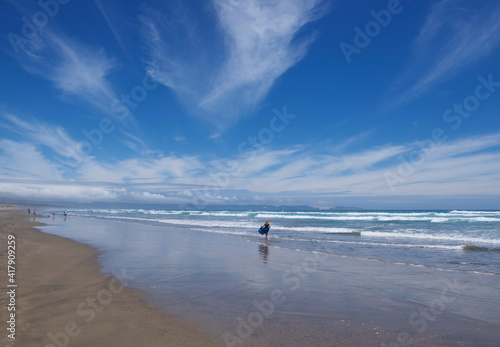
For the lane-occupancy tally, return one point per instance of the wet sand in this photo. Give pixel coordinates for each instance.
(62, 298)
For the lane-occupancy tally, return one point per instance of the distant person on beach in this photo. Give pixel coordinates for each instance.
(34, 211)
(29, 211)
(65, 214)
(264, 230)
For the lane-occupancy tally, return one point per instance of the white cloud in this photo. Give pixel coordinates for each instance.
(468, 145)
(350, 141)
(136, 143)
(21, 160)
(41, 134)
(259, 43)
(78, 70)
(180, 138)
(159, 171)
(78, 193)
(82, 71)
(467, 166)
(360, 161)
(454, 35)
(110, 24)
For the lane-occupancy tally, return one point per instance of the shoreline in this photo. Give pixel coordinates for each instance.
(63, 297)
(243, 293)
(257, 293)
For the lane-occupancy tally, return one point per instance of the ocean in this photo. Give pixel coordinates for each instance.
(445, 240)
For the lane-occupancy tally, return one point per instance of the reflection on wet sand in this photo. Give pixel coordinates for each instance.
(264, 252)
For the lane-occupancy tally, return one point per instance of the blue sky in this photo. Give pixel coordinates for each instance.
(376, 104)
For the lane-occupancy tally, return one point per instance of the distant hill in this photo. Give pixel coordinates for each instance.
(346, 208)
(252, 207)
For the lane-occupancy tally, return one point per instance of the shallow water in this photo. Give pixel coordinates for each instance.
(232, 282)
(452, 240)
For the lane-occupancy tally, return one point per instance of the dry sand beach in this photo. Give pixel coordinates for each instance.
(214, 290)
(61, 297)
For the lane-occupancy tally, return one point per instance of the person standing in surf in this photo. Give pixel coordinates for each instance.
(264, 230)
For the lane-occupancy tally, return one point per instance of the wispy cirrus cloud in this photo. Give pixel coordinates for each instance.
(258, 41)
(17, 160)
(465, 166)
(105, 14)
(262, 44)
(77, 70)
(81, 74)
(470, 31)
(152, 170)
(38, 133)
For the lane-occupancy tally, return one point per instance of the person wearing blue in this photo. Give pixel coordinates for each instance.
(264, 230)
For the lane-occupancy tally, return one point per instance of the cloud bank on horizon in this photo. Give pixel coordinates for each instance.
(249, 102)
